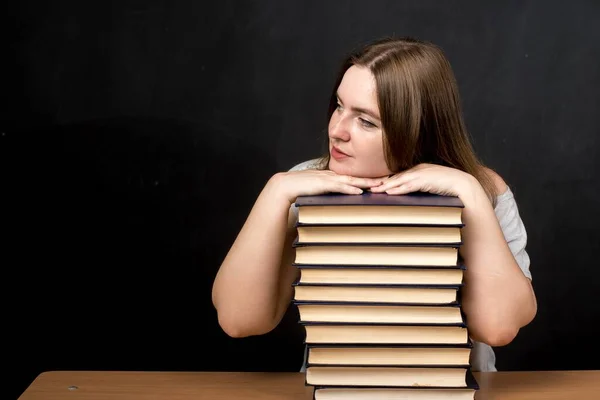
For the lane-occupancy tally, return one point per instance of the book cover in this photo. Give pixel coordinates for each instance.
(418, 199)
(459, 265)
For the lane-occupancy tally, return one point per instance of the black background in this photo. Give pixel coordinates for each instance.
(135, 136)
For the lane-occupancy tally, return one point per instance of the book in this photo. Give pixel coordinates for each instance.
(367, 254)
(379, 234)
(380, 275)
(388, 354)
(355, 333)
(352, 392)
(380, 313)
(407, 376)
(380, 208)
(380, 293)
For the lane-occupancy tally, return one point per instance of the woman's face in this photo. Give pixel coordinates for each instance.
(355, 134)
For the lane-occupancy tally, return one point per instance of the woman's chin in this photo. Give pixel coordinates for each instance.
(354, 171)
(341, 169)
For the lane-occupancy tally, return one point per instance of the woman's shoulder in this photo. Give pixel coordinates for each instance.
(505, 206)
(505, 203)
(308, 164)
(500, 186)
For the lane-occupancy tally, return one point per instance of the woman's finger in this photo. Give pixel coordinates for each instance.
(360, 182)
(347, 189)
(404, 188)
(395, 181)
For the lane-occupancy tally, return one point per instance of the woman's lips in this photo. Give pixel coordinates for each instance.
(337, 154)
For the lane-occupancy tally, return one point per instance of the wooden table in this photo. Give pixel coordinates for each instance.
(68, 385)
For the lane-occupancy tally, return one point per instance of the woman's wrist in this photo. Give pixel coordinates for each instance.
(277, 188)
(472, 194)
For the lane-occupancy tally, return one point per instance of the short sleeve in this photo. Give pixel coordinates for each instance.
(513, 229)
(310, 164)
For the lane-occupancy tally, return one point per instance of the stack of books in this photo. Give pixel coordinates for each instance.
(378, 295)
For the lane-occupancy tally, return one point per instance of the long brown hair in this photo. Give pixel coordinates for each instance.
(419, 106)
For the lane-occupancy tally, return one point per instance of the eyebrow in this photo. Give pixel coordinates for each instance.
(360, 109)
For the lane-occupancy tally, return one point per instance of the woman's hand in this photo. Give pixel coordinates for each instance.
(430, 178)
(313, 182)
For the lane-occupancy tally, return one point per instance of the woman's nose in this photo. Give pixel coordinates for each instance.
(339, 129)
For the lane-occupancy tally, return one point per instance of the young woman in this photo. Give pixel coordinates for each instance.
(396, 127)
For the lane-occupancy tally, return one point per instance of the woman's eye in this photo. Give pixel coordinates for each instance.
(339, 107)
(366, 123)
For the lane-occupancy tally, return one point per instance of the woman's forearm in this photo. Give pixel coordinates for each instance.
(253, 287)
(246, 288)
(497, 297)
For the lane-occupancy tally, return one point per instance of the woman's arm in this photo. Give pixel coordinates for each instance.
(498, 298)
(250, 291)
(253, 287)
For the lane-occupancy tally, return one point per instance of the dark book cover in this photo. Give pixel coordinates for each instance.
(467, 345)
(447, 366)
(378, 285)
(459, 265)
(373, 304)
(455, 245)
(370, 224)
(420, 199)
(333, 323)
